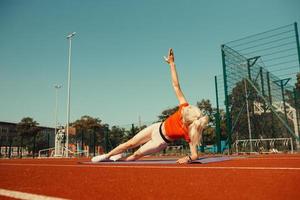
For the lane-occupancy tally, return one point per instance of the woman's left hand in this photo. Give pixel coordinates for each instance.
(183, 160)
(170, 59)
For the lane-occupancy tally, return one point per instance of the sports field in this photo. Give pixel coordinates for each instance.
(244, 177)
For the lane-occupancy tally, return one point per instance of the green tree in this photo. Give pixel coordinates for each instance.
(209, 135)
(28, 130)
(116, 136)
(293, 97)
(222, 124)
(166, 113)
(297, 84)
(297, 98)
(88, 131)
(206, 106)
(263, 125)
(239, 110)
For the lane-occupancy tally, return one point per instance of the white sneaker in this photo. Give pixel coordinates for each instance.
(99, 158)
(116, 157)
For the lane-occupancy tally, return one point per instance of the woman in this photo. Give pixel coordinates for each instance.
(187, 122)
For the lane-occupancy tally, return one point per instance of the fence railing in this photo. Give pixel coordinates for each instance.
(266, 145)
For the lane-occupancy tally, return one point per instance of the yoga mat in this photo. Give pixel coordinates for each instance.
(203, 160)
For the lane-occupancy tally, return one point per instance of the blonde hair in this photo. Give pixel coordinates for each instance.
(193, 118)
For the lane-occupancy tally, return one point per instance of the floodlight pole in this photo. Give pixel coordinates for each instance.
(69, 37)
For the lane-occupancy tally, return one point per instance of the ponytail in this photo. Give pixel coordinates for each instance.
(196, 129)
(196, 122)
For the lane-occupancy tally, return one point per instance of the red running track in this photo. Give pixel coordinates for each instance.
(261, 177)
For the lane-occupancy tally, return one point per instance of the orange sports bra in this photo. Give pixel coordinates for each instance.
(174, 127)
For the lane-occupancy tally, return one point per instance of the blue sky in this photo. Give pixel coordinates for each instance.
(118, 72)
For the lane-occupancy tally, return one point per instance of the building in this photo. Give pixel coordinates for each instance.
(10, 140)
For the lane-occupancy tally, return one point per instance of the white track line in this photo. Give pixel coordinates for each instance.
(261, 158)
(25, 195)
(151, 166)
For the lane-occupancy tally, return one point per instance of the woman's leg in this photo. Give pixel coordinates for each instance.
(154, 145)
(140, 138)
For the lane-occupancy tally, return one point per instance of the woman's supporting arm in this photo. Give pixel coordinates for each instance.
(193, 156)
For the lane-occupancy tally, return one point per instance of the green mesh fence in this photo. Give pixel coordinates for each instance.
(259, 93)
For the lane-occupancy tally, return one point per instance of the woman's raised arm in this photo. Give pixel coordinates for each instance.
(175, 81)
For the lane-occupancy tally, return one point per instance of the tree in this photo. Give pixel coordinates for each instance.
(106, 138)
(237, 100)
(116, 136)
(208, 135)
(297, 98)
(205, 105)
(293, 97)
(222, 124)
(27, 128)
(263, 125)
(166, 113)
(88, 131)
(297, 84)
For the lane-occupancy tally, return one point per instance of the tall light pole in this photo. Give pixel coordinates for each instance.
(57, 87)
(69, 37)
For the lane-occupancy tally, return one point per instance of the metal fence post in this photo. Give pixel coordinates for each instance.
(217, 118)
(228, 117)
